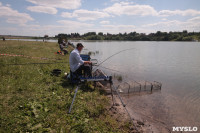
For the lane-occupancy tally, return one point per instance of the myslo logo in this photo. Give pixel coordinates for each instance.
(185, 129)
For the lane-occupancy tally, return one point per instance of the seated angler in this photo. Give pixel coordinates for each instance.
(77, 65)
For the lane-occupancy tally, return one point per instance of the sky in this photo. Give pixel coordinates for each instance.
(51, 17)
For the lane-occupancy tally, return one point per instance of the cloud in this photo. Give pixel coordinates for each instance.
(42, 9)
(114, 0)
(105, 22)
(189, 12)
(118, 26)
(195, 19)
(62, 26)
(164, 19)
(129, 8)
(13, 16)
(114, 28)
(66, 15)
(65, 4)
(192, 24)
(68, 24)
(84, 15)
(126, 8)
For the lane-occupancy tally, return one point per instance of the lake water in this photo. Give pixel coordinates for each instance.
(175, 64)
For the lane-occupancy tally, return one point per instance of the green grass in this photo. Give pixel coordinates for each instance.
(31, 100)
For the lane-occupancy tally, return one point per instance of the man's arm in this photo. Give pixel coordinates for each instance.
(79, 59)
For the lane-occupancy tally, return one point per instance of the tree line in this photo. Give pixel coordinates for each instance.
(134, 36)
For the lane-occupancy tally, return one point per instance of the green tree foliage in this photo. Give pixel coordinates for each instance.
(134, 36)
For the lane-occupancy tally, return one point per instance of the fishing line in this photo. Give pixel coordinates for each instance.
(36, 63)
(42, 58)
(110, 69)
(112, 56)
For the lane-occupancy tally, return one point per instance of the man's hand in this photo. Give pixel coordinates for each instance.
(87, 62)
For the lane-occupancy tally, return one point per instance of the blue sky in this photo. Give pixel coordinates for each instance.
(40, 17)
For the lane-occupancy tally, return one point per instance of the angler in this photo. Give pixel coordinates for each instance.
(81, 70)
(77, 65)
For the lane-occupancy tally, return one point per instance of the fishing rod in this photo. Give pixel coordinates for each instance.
(112, 56)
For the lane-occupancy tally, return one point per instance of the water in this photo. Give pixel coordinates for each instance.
(175, 64)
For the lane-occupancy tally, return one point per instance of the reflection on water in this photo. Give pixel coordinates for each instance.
(175, 64)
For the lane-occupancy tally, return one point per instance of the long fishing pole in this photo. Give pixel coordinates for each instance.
(112, 56)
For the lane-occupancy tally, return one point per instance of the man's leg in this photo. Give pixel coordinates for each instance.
(79, 70)
(87, 71)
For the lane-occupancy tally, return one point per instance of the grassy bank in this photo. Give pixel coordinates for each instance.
(31, 100)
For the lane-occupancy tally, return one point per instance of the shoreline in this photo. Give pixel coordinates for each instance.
(139, 123)
(87, 40)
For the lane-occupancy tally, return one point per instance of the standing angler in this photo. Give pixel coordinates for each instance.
(77, 65)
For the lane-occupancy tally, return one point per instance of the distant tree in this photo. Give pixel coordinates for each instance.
(100, 33)
(3, 38)
(185, 31)
(45, 37)
(158, 33)
(188, 38)
(134, 36)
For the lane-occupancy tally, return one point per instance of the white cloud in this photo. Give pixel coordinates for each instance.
(67, 15)
(42, 9)
(114, 0)
(84, 15)
(126, 8)
(114, 28)
(129, 8)
(62, 26)
(119, 27)
(195, 19)
(105, 22)
(189, 12)
(65, 4)
(13, 16)
(164, 19)
(74, 24)
(175, 25)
